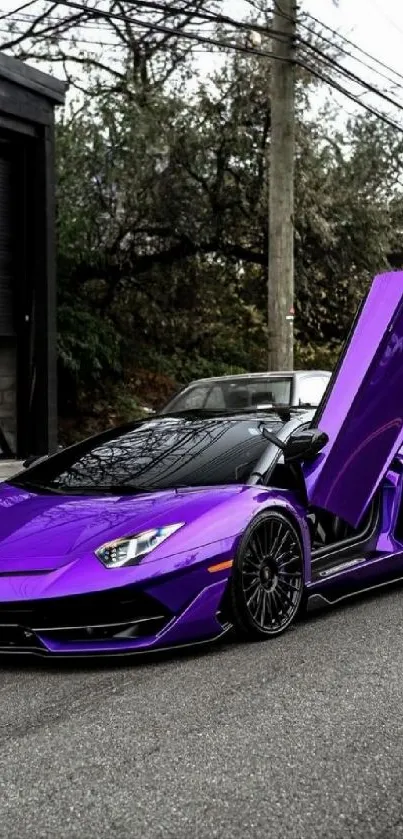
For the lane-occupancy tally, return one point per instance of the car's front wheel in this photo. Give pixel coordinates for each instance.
(267, 583)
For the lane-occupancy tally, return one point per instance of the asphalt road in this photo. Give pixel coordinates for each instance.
(300, 737)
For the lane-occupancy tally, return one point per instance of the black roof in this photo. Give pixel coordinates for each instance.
(21, 74)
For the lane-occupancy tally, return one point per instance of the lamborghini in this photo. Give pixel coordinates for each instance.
(178, 528)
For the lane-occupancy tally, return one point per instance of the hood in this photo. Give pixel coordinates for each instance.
(43, 532)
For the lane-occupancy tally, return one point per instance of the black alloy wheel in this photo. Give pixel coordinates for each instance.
(267, 584)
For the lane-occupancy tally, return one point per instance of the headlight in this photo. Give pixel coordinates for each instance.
(131, 549)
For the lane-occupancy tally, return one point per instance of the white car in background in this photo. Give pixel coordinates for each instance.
(299, 388)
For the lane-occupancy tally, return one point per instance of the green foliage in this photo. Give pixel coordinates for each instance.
(182, 368)
(316, 356)
(86, 345)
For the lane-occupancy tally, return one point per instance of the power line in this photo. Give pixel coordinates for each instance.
(214, 17)
(336, 86)
(348, 41)
(355, 46)
(226, 45)
(19, 9)
(30, 18)
(346, 52)
(244, 25)
(14, 17)
(79, 40)
(154, 5)
(97, 43)
(84, 26)
(165, 30)
(349, 74)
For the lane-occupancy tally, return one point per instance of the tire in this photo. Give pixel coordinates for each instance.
(267, 583)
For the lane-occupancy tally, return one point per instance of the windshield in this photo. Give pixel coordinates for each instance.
(157, 454)
(233, 394)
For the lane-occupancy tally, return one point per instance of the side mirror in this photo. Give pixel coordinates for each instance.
(305, 444)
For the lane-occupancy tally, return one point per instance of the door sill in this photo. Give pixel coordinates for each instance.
(335, 558)
(335, 569)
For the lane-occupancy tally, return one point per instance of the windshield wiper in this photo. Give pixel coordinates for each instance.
(194, 412)
(107, 489)
(31, 486)
(213, 413)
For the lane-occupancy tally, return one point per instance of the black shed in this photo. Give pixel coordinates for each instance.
(28, 393)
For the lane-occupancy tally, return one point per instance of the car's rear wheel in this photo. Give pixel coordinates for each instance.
(267, 584)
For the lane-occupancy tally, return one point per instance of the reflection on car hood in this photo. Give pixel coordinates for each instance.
(46, 531)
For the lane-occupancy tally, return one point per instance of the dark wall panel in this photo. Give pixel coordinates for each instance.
(28, 388)
(7, 233)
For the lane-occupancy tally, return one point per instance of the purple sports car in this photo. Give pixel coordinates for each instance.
(175, 529)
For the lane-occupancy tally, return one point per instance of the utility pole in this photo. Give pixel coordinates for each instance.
(281, 190)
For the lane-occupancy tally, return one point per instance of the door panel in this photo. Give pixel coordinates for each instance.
(362, 411)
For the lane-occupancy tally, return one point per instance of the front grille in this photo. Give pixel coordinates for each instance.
(121, 613)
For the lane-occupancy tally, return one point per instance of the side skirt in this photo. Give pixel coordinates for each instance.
(366, 576)
(319, 600)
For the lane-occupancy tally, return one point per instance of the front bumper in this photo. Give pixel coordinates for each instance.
(121, 621)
